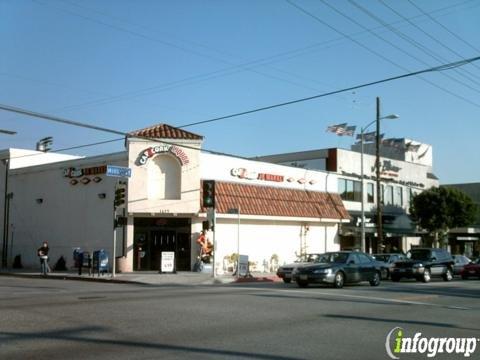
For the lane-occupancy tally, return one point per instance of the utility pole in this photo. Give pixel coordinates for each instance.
(5, 216)
(377, 164)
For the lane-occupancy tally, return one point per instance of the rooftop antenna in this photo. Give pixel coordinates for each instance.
(45, 144)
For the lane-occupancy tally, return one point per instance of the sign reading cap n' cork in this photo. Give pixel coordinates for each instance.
(164, 148)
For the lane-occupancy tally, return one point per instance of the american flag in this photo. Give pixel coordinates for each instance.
(349, 131)
(371, 136)
(337, 129)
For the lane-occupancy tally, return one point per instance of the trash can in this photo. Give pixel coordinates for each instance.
(100, 262)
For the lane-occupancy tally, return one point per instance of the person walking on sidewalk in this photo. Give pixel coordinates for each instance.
(42, 253)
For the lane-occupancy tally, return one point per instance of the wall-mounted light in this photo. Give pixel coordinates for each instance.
(39, 200)
(102, 196)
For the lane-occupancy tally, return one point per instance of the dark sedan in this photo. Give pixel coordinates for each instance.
(285, 271)
(388, 261)
(471, 270)
(337, 269)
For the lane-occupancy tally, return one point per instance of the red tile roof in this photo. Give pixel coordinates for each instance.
(164, 131)
(273, 201)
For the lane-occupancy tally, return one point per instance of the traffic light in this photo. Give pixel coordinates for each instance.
(209, 193)
(119, 197)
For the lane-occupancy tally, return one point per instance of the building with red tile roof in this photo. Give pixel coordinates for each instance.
(272, 213)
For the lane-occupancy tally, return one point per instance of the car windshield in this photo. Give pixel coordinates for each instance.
(333, 258)
(313, 257)
(419, 254)
(380, 257)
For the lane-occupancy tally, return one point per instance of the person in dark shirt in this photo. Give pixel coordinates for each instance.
(42, 253)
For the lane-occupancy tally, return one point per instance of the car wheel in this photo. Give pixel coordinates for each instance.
(387, 275)
(376, 279)
(426, 276)
(287, 281)
(464, 277)
(302, 283)
(395, 278)
(339, 280)
(448, 276)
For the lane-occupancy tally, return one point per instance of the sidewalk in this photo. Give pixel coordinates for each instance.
(147, 277)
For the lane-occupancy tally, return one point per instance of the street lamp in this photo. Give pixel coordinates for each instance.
(377, 166)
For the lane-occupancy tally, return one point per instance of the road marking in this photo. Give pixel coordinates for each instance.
(388, 300)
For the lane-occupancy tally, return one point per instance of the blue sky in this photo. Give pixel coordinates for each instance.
(130, 64)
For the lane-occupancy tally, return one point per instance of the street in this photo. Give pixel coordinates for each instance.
(47, 319)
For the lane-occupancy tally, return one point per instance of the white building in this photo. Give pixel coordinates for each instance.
(263, 210)
(406, 169)
(12, 159)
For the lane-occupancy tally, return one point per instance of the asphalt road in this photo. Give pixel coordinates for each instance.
(52, 319)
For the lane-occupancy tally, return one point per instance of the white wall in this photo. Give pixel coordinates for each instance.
(409, 176)
(260, 239)
(145, 177)
(69, 216)
(219, 167)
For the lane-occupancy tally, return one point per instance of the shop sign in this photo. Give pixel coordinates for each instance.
(76, 173)
(168, 262)
(243, 173)
(166, 148)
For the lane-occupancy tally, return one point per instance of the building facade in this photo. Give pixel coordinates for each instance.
(405, 170)
(270, 212)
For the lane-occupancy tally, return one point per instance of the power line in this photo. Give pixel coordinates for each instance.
(431, 37)
(436, 68)
(376, 53)
(64, 121)
(206, 76)
(411, 41)
(446, 29)
(103, 129)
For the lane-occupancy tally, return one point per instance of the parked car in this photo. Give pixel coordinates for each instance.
(471, 270)
(388, 260)
(337, 269)
(285, 271)
(424, 263)
(460, 262)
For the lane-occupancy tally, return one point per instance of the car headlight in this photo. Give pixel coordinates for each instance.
(323, 271)
(416, 266)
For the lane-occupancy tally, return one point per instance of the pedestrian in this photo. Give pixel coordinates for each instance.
(42, 254)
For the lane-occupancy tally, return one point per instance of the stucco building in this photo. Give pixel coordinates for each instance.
(263, 210)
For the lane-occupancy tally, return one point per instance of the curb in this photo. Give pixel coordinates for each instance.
(75, 278)
(256, 279)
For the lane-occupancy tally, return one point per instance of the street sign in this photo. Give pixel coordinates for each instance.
(118, 171)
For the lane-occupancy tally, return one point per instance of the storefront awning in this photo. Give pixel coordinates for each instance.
(395, 224)
(275, 201)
